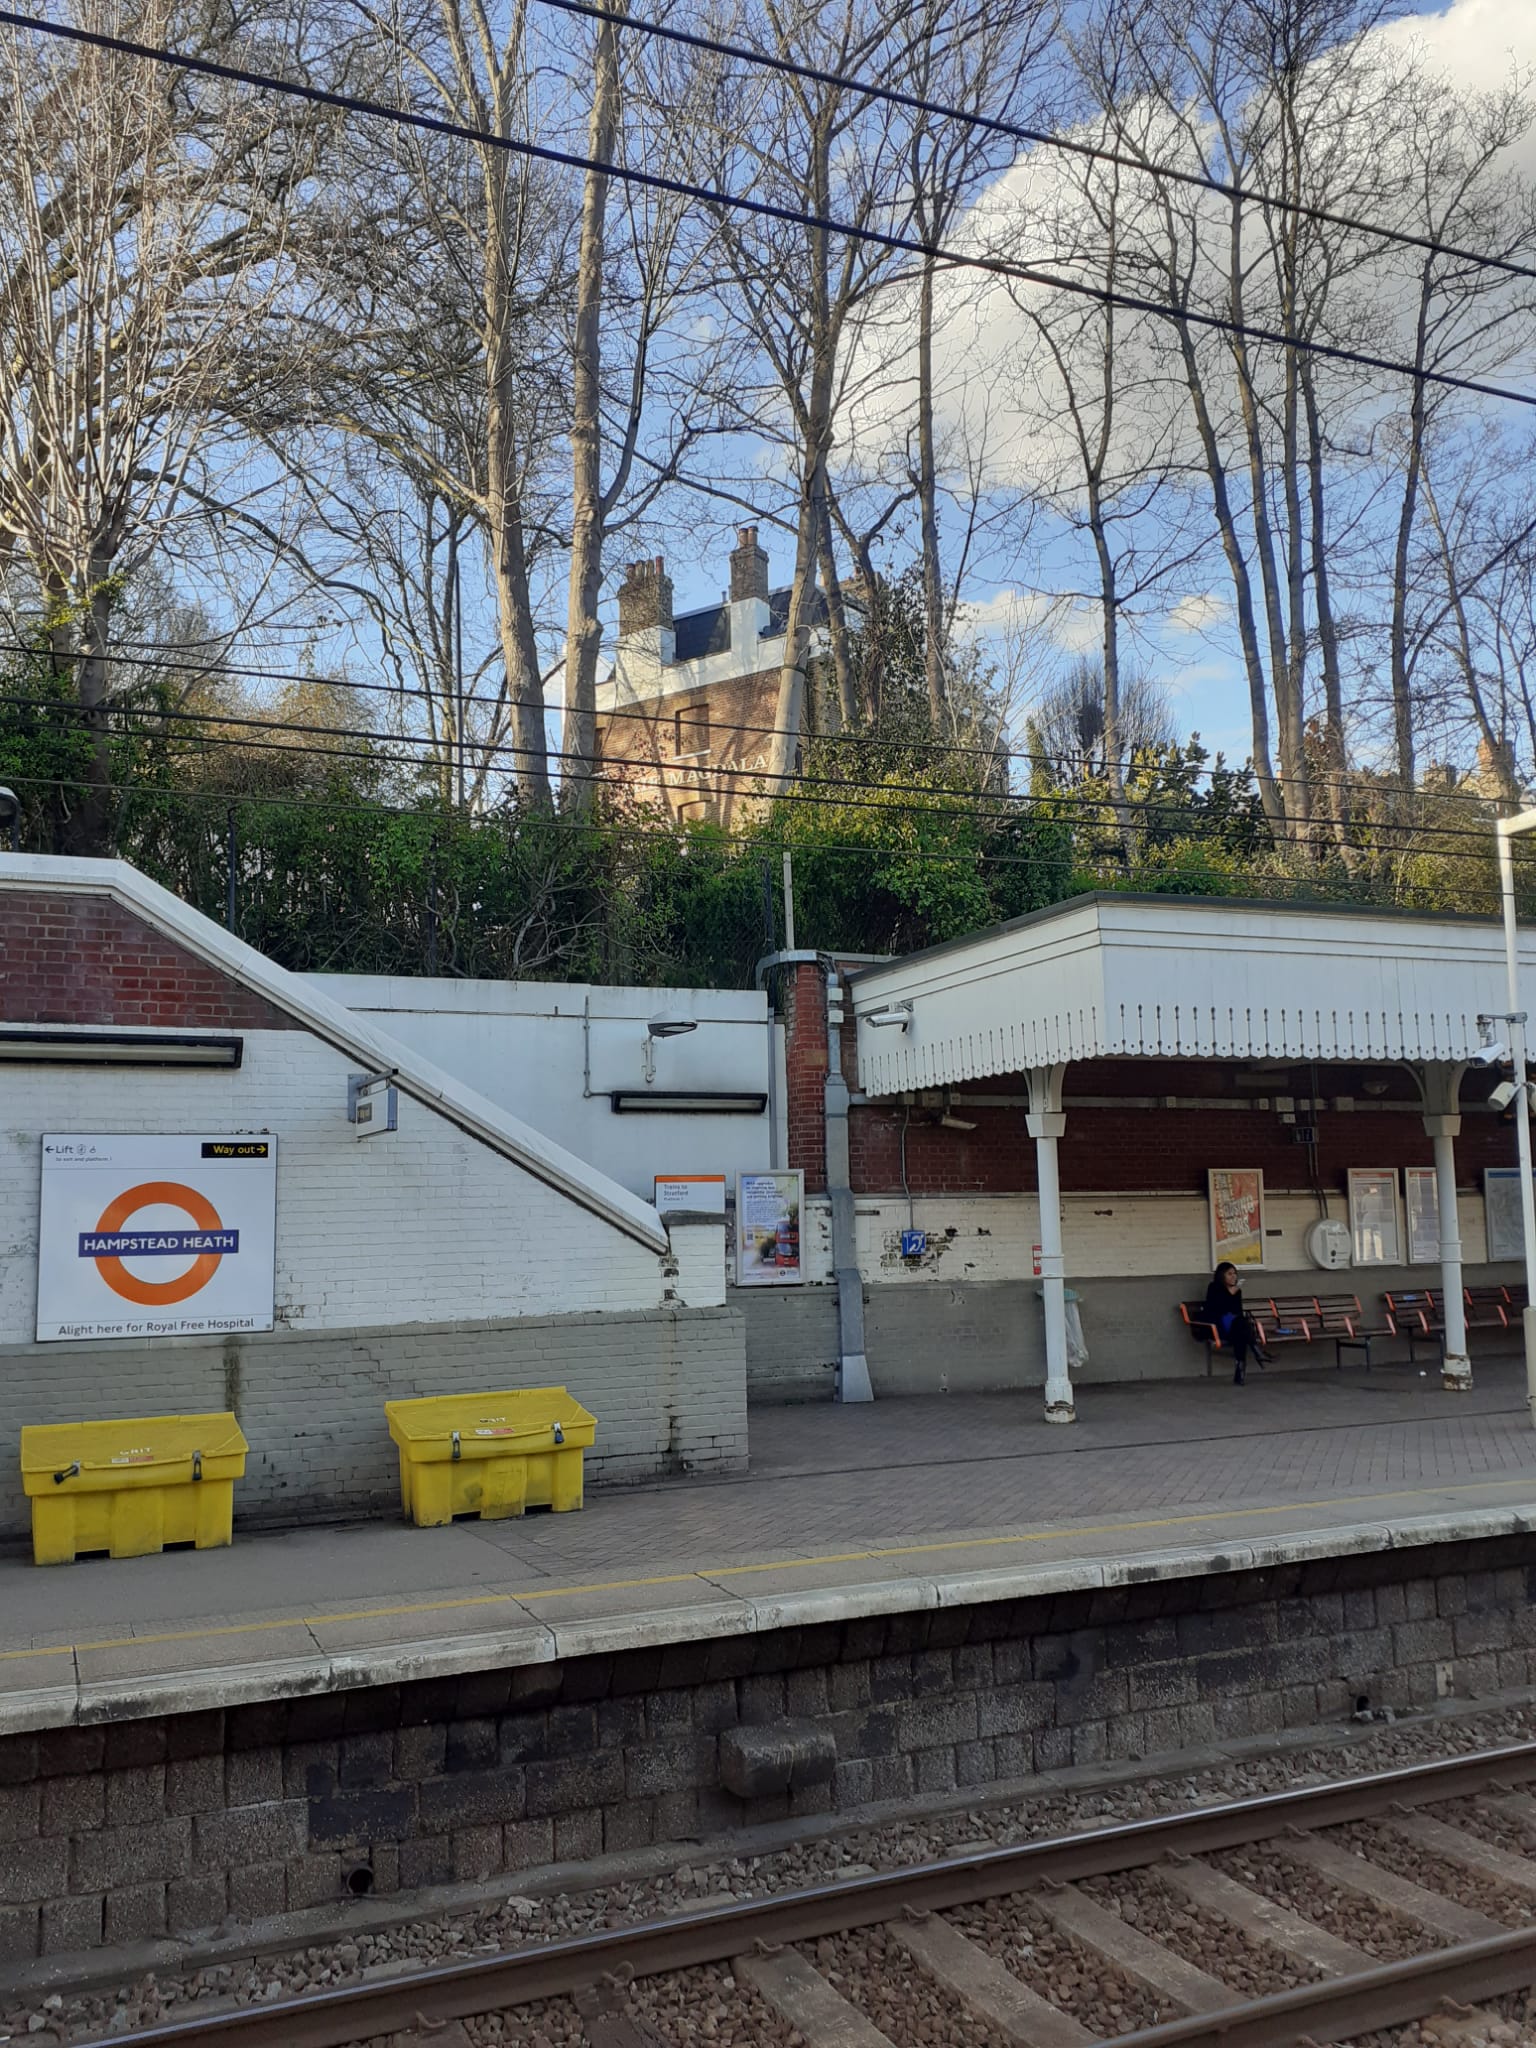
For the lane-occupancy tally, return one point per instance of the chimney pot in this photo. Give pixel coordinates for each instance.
(749, 566)
(645, 598)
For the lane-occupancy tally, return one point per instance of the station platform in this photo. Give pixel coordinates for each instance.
(904, 1505)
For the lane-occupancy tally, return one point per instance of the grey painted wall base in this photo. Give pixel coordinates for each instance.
(988, 1336)
(241, 1814)
(668, 1389)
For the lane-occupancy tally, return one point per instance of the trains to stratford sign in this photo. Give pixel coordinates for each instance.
(156, 1236)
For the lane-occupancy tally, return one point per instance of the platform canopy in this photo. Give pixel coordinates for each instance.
(1156, 977)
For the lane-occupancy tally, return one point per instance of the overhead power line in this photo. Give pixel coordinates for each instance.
(981, 806)
(217, 670)
(1270, 202)
(1292, 888)
(734, 202)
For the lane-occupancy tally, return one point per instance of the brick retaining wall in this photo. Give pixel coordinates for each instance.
(126, 1832)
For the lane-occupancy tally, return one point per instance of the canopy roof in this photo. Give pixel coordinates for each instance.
(1161, 977)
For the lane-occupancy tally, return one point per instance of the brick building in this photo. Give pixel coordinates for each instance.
(690, 705)
(461, 1251)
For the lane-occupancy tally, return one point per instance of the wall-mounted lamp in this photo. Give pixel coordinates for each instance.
(662, 1026)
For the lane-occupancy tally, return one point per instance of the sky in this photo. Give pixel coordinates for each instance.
(1479, 45)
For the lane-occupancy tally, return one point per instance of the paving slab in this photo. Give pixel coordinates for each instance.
(904, 1504)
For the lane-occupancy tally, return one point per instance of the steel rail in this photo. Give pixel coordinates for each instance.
(1341, 2007)
(351, 2013)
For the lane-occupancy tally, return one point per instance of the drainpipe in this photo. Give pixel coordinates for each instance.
(853, 1382)
(853, 1364)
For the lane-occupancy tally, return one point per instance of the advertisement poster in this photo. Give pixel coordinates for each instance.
(1423, 1186)
(1237, 1215)
(156, 1237)
(703, 1193)
(1501, 1206)
(768, 1209)
(1373, 1226)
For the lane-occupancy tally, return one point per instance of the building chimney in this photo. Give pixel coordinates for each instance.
(749, 566)
(645, 598)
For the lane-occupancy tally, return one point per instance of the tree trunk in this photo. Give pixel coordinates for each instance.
(583, 637)
(789, 711)
(1402, 694)
(90, 829)
(927, 498)
(1335, 751)
(509, 552)
(845, 702)
(1242, 588)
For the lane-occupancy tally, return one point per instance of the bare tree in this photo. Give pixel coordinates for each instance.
(145, 239)
(975, 58)
(802, 293)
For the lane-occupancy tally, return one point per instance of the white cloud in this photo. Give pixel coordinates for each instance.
(1199, 612)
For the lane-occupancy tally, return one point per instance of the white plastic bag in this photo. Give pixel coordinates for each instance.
(1077, 1349)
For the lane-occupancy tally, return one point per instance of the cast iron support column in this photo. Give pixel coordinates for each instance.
(1442, 1122)
(1047, 1123)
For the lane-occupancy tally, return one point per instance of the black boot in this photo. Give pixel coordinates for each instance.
(1239, 1378)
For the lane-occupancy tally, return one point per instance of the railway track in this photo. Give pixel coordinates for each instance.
(1345, 1908)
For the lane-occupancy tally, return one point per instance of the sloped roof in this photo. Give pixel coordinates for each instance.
(709, 631)
(344, 1031)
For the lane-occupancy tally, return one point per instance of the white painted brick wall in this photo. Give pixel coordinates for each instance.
(1130, 1236)
(699, 1252)
(422, 1225)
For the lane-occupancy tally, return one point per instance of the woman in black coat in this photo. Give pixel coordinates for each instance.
(1226, 1315)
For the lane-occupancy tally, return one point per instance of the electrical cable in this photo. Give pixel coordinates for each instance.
(1064, 806)
(1060, 758)
(1092, 152)
(995, 266)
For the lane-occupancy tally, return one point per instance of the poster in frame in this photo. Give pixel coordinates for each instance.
(1374, 1230)
(1422, 1187)
(1236, 1195)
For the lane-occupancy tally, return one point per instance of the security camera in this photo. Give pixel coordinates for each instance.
(1502, 1096)
(1487, 1055)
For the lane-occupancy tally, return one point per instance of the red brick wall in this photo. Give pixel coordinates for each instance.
(86, 960)
(1131, 1149)
(803, 1005)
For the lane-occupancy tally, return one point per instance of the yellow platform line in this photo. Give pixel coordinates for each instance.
(779, 1564)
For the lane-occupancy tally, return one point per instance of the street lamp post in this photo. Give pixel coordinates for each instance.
(1507, 828)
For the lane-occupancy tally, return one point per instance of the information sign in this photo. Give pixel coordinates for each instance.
(156, 1236)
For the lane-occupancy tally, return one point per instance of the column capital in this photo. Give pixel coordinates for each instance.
(1050, 1123)
(1440, 1085)
(1045, 1085)
(1442, 1126)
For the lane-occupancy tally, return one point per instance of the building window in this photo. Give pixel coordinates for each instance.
(690, 729)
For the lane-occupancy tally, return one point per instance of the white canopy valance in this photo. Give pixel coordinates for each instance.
(1150, 977)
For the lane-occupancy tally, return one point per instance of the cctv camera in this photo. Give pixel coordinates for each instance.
(1502, 1096)
(1487, 1055)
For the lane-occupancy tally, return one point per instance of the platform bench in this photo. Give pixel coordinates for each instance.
(1289, 1319)
(1414, 1314)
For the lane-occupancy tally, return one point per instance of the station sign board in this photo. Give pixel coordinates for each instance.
(156, 1236)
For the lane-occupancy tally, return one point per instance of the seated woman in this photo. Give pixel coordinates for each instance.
(1226, 1315)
